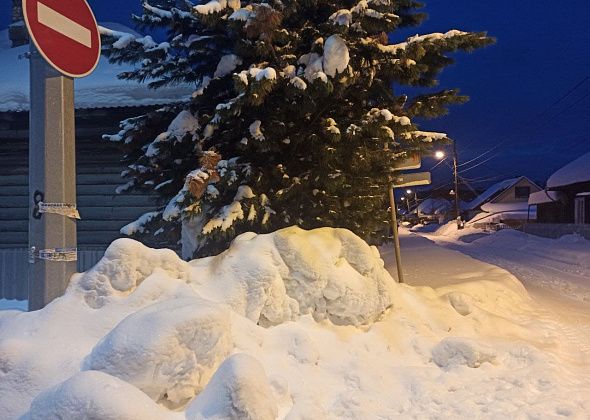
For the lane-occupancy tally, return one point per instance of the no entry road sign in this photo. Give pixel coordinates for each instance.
(66, 34)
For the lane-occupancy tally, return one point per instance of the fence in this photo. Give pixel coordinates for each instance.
(14, 265)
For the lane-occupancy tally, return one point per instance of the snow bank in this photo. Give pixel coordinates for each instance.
(168, 350)
(289, 325)
(270, 279)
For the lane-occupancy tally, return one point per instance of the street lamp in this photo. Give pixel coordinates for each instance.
(439, 154)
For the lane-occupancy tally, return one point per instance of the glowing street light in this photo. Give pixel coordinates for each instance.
(408, 191)
(439, 154)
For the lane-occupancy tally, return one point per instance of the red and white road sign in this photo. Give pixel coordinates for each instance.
(65, 33)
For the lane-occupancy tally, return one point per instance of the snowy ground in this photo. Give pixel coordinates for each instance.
(555, 273)
(295, 325)
(549, 268)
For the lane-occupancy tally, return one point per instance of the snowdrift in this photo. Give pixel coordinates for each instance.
(294, 324)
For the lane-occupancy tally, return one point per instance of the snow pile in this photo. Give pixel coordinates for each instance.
(275, 278)
(293, 324)
(239, 390)
(572, 173)
(125, 265)
(95, 395)
(168, 350)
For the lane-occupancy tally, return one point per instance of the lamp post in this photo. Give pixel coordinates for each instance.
(407, 202)
(409, 192)
(439, 154)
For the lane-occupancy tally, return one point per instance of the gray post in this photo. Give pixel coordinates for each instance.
(52, 172)
(398, 256)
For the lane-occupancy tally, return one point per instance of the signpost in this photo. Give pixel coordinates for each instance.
(401, 181)
(66, 44)
(412, 180)
(413, 161)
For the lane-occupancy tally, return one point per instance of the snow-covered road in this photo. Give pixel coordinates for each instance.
(551, 269)
(556, 273)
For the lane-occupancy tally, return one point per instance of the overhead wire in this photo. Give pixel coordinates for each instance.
(534, 118)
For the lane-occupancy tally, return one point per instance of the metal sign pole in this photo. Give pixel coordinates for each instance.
(398, 256)
(52, 179)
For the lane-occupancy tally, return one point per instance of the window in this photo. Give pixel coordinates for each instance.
(522, 192)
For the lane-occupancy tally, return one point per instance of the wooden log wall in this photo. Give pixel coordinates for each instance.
(99, 167)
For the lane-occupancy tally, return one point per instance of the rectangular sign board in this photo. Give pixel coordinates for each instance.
(411, 162)
(412, 180)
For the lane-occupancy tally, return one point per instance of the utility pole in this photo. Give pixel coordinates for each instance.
(456, 174)
(407, 200)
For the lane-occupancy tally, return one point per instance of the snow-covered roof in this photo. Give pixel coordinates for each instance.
(543, 197)
(434, 206)
(505, 207)
(572, 173)
(101, 89)
(485, 217)
(490, 193)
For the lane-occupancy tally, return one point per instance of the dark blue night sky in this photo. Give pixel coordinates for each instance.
(530, 93)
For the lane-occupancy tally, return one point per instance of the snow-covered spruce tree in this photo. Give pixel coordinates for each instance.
(297, 115)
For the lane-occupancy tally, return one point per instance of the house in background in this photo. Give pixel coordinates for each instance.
(102, 101)
(435, 210)
(504, 202)
(564, 207)
(549, 206)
